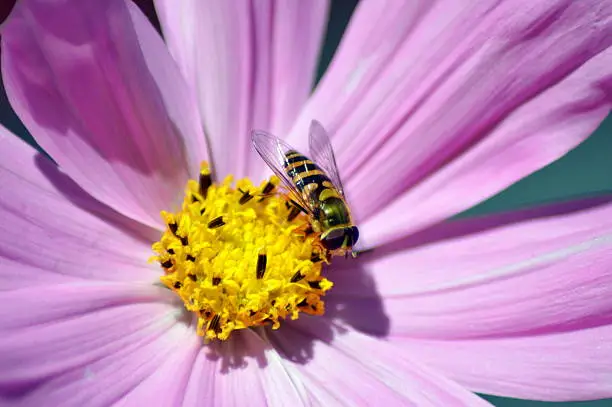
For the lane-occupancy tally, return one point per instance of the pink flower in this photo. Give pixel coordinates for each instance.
(433, 107)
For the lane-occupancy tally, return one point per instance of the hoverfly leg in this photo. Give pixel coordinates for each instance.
(358, 253)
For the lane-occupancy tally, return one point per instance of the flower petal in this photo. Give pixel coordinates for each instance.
(521, 309)
(517, 304)
(166, 385)
(67, 342)
(519, 274)
(94, 84)
(253, 64)
(354, 369)
(243, 370)
(565, 366)
(484, 92)
(52, 231)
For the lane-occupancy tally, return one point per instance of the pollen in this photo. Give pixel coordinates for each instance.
(239, 257)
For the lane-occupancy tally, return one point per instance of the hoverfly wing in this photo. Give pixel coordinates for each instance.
(322, 153)
(272, 150)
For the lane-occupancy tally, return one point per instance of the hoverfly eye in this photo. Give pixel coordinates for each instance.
(354, 235)
(334, 239)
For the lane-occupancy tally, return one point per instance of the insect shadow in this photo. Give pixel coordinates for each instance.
(297, 341)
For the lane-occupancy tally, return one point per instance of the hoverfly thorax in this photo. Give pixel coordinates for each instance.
(333, 212)
(315, 185)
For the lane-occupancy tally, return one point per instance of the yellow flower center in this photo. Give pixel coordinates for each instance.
(240, 257)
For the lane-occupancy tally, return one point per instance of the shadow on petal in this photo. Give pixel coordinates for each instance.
(236, 352)
(362, 311)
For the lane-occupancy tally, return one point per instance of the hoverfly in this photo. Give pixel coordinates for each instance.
(314, 184)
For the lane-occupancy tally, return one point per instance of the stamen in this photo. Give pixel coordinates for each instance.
(268, 188)
(214, 324)
(239, 262)
(295, 211)
(315, 257)
(205, 182)
(297, 277)
(261, 265)
(246, 197)
(216, 223)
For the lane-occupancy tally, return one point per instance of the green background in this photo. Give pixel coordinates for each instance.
(585, 171)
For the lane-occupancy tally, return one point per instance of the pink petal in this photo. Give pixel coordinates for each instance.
(439, 105)
(166, 385)
(94, 84)
(243, 370)
(343, 367)
(528, 273)
(53, 231)
(504, 289)
(562, 366)
(252, 63)
(67, 343)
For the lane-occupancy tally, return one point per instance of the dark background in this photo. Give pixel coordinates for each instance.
(585, 171)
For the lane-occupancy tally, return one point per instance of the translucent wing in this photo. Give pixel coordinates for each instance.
(272, 150)
(322, 154)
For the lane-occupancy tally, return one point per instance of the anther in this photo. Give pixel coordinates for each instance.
(191, 258)
(170, 251)
(297, 205)
(167, 264)
(205, 182)
(184, 240)
(267, 189)
(192, 277)
(295, 211)
(216, 280)
(173, 228)
(178, 285)
(315, 258)
(246, 197)
(315, 284)
(214, 324)
(296, 277)
(262, 260)
(216, 222)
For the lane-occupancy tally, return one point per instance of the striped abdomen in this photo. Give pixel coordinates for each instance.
(305, 174)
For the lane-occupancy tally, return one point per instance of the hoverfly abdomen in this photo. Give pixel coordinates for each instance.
(305, 174)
